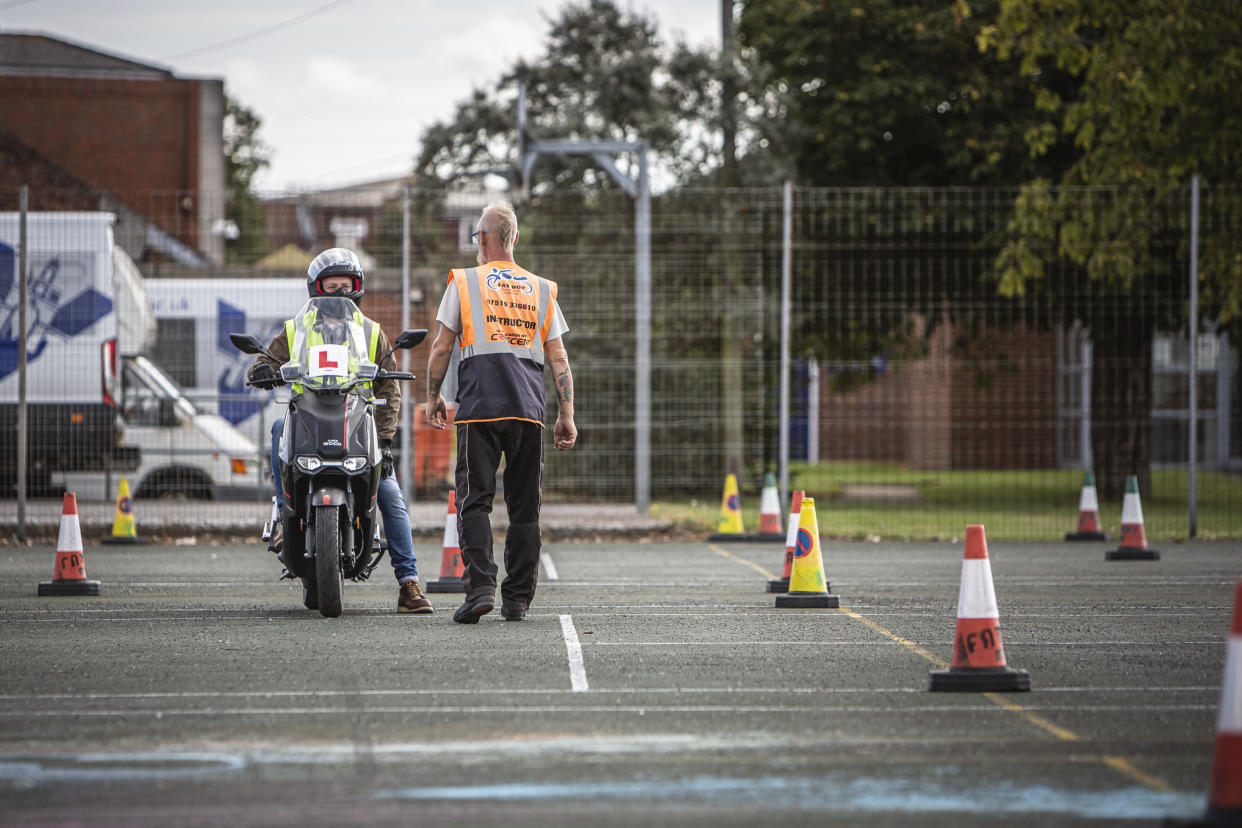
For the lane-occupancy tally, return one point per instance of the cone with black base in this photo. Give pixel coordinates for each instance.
(807, 585)
(978, 655)
(452, 567)
(123, 530)
(781, 584)
(1225, 791)
(1088, 514)
(730, 527)
(69, 576)
(1133, 538)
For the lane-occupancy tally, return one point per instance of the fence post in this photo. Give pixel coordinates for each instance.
(786, 321)
(642, 337)
(407, 410)
(22, 447)
(1192, 483)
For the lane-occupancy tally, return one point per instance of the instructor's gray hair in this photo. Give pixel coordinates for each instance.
(498, 217)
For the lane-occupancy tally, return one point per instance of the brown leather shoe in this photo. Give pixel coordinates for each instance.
(411, 599)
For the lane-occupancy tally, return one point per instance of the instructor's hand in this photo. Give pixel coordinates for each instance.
(437, 412)
(564, 433)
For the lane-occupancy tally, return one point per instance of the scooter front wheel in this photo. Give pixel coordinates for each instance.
(329, 579)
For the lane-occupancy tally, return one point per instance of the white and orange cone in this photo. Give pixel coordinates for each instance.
(808, 587)
(69, 576)
(452, 567)
(1088, 514)
(1225, 793)
(769, 512)
(1133, 537)
(781, 584)
(978, 655)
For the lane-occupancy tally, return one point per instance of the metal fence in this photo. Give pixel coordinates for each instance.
(920, 398)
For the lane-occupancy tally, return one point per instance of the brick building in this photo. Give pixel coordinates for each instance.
(152, 141)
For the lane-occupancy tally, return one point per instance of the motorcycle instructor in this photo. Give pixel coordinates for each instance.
(338, 272)
(508, 325)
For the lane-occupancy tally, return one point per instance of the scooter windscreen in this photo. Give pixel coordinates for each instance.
(329, 345)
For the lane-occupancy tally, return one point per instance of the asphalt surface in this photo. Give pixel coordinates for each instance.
(651, 684)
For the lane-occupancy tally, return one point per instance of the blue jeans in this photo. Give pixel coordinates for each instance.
(392, 509)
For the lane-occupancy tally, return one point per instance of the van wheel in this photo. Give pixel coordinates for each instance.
(176, 484)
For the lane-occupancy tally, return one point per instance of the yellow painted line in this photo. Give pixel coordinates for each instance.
(909, 645)
(1039, 721)
(1124, 767)
(1118, 764)
(742, 561)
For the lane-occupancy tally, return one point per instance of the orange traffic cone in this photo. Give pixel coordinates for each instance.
(769, 513)
(1133, 538)
(1088, 514)
(69, 577)
(1225, 792)
(807, 585)
(451, 565)
(781, 584)
(978, 656)
(730, 526)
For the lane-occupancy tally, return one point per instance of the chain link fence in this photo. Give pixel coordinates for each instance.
(922, 398)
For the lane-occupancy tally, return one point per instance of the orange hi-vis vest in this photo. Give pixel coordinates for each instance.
(506, 313)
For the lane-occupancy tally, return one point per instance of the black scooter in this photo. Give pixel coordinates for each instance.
(329, 452)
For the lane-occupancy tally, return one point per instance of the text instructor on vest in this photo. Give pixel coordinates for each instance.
(508, 324)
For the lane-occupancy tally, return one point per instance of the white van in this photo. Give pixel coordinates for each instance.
(97, 408)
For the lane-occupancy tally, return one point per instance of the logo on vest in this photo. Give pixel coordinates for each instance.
(506, 279)
(517, 340)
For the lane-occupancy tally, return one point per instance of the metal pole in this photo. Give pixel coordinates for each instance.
(1192, 483)
(642, 337)
(786, 321)
(22, 447)
(407, 432)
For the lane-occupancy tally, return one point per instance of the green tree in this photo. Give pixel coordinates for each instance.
(891, 93)
(604, 75)
(1150, 106)
(245, 155)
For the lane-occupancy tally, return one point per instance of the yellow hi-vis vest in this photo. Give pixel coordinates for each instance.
(506, 313)
(300, 333)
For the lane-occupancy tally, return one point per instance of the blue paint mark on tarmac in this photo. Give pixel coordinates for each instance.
(29, 770)
(870, 795)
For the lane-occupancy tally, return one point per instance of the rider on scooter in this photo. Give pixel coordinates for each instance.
(337, 272)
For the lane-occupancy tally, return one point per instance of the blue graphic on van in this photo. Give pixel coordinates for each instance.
(47, 316)
(238, 401)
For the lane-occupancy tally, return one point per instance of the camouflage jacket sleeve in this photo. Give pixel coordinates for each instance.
(387, 416)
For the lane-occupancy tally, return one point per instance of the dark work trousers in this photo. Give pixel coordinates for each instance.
(479, 446)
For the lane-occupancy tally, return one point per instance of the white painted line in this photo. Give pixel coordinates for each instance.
(549, 568)
(507, 710)
(577, 672)
(618, 691)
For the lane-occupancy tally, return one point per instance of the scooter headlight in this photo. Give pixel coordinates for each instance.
(309, 462)
(353, 464)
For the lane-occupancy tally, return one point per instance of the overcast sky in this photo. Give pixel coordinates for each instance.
(344, 87)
